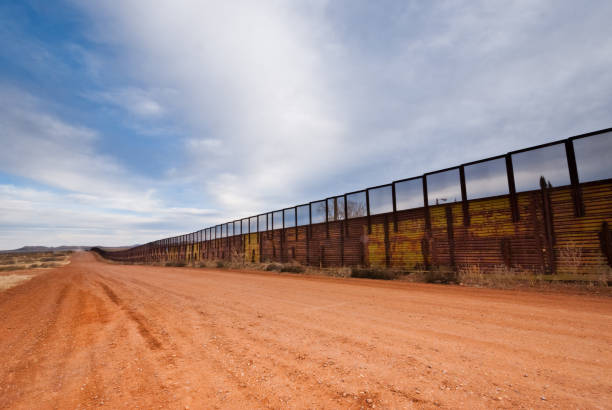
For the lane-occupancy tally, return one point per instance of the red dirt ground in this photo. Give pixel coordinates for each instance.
(93, 334)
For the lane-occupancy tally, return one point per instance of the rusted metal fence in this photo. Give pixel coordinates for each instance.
(547, 208)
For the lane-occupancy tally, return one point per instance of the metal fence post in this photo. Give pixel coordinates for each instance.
(426, 205)
(464, 202)
(573, 171)
(367, 191)
(512, 189)
(326, 219)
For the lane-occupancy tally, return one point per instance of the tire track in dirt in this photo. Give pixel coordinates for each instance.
(295, 324)
(285, 361)
(353, 344)
(137, 318)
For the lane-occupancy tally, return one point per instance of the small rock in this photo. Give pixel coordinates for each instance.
(543, 398)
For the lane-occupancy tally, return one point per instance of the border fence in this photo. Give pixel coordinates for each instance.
(547, 208)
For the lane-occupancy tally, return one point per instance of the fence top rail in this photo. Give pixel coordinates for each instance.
(355, 192)
(442, 170)
(480, 161)
(374, 187)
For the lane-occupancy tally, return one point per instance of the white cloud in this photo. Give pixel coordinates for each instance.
(134, 100)
(89, 192)
(289, 101)
(41, 217)
(251, 83)
(279, 103)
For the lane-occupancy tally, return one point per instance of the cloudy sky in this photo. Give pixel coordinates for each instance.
(128, 121)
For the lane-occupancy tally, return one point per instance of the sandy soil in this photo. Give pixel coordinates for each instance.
(92, 334)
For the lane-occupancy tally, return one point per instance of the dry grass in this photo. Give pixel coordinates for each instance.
(21, 261)
(500, 276)
(570, 259)
(497, 277)
(9, 281)
(505, 278)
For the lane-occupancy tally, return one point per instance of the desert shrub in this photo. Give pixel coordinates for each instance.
(36, 265)
(604, 275)
(440, 274)
(570, 258)
(499, 276)
(471, 275)
(237, 259)
(11, 268)
(274, 267)
(55, 259)
(176, 264)
(9, 262)
(374, 273)
(340, 272)
(220, 264)
(293, 268)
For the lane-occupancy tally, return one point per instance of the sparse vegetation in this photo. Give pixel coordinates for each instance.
(21, 261)
(9, 281)
(440, 274)
(374, 273)
(505, 278)
(31, 262)
(499, 276)
(176, 264)
(293, 268)
(274, 267)
(570, 258)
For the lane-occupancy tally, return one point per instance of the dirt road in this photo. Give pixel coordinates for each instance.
(92, 334)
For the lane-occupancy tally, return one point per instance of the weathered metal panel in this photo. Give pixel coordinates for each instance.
(555, 229)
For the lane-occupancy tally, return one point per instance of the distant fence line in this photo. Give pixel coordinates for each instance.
(486, 212)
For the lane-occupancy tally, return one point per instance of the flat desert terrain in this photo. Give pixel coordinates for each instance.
(92, 334)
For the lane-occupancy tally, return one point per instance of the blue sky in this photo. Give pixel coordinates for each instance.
(124, 122)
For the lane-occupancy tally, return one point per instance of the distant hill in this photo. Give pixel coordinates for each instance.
(114, 248)
(31, 249)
